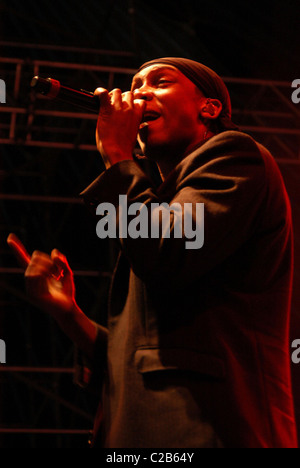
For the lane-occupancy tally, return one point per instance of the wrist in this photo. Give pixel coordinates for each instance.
(66, 314)
(112, 156)
(81, 330)
(118, 157)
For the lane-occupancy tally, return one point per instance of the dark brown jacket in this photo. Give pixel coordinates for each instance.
(197, 348)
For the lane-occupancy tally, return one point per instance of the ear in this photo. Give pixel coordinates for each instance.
(210, 108)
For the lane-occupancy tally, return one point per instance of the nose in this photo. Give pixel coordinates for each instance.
(143, 93)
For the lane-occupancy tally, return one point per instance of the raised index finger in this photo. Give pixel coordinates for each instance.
(19, 250)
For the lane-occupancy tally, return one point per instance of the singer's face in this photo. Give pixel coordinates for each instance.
(171, 120)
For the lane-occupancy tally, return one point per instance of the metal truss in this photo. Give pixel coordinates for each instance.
(44, 165)
(48, 156)
(262, 108)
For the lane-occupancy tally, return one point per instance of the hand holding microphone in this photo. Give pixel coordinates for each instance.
(118, 124)
(119, 115)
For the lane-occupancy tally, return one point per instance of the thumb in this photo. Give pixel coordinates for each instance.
(61, 263)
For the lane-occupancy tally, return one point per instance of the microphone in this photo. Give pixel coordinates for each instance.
(53, 89)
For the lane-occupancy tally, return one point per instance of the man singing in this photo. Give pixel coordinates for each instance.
(196, 350)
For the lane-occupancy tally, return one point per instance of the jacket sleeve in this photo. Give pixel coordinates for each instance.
(226, 175)
(89, 374)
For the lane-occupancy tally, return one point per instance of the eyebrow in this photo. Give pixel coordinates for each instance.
(138, 80)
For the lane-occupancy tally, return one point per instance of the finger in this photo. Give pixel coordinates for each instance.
(40, 265)
(37, 275)
(140, 104)
(100, 92)
(40, 257)
(127, 98)
(19, 250)
(139, 108)
(116, 98)
(103, 96)
(61, 263)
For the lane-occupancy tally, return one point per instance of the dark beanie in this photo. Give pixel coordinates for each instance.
(209, 83)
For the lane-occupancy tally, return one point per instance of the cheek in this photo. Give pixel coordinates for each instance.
(184, 122)
(182, 109)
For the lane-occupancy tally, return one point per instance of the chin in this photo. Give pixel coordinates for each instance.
(151, 142)
(153, 149)
(153, 152)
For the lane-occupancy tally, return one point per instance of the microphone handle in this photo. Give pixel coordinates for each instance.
(54, 90)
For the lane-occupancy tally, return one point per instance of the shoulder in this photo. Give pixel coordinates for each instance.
(231, 142)
(244, 150)
(230, 149)
(233, 153)
(239, 146)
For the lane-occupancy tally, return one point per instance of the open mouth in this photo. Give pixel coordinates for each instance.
(150, 116)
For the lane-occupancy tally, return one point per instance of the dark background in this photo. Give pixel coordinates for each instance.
(245, 40)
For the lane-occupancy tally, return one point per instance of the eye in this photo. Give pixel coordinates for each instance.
(163, 82)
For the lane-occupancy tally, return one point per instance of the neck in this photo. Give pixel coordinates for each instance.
(168, 160)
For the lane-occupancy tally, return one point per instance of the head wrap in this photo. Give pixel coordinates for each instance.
(209, 83)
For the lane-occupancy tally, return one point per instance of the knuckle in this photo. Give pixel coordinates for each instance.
(100, 90)
(36, 253)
